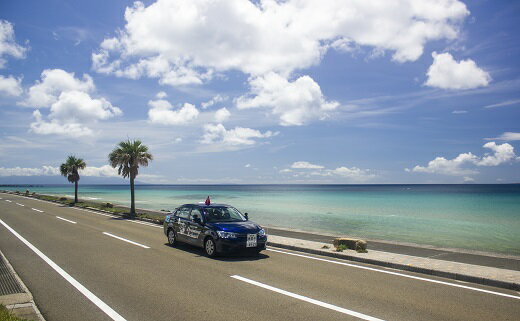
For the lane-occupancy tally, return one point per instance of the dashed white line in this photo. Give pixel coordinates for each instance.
(123, 239)
(398, 274)
(9, 201)
(37, 210)
(64, 219)
(307, 299)
(19, 204)
(91, 296)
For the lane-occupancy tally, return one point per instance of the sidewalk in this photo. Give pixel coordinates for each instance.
(14, 295)
(486, 275)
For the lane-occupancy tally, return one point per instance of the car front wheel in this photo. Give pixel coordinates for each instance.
(172, 238)
(210, 247)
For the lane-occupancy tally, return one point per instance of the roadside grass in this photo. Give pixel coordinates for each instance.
(108, 207)
(5, 315)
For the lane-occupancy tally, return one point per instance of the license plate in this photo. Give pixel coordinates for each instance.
(251, 240)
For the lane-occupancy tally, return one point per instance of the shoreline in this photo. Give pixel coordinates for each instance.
(159, 215)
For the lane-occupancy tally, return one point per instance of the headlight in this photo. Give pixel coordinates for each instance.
(227, 235)
(261, 232)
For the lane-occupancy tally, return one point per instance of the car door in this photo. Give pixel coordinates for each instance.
(195, 230)
(182, 224)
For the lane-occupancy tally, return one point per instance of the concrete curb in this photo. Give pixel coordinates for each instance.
(20, 304)
(449, 275)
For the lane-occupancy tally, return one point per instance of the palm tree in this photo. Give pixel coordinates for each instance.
(70, 170)
(127, 157)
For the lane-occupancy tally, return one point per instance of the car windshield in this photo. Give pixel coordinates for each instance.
(223, 214)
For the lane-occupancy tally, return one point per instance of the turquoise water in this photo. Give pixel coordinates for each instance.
(475, 217)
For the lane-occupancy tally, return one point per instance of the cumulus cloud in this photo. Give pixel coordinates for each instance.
(161, 112)
(46, 91)
(507, 136)
(305, 165)
(307, 169)
(70, 102)
(161, 95)
(446, 73)
(8, 45)
(458, 166)
(295, 103)
(215, 100)
(102, 171)
(10, 86)
(25, 171)
(233, 137)
(222, 115)
(189, 41)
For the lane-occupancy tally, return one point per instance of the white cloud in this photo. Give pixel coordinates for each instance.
(459, 112)
(70, 102)
(25, 171)
(446, 73)
(232, 137)
(305, 165)
(222, 115)
(215, 100)
(161, 112)
(102, 171)
(458, 166)
(10, 86)
(247, 165)
(54, 82)
(507, 136)
(353, 173)
(161, 95)
(468, 179)
(55, 127)
(296, 103)
(188, 41)
(504, 103)
(8, 45)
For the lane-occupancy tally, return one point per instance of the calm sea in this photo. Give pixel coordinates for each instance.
(475, 217)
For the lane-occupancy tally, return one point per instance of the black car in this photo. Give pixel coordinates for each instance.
(218, 228)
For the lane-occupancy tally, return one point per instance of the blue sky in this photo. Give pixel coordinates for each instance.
(263, 92)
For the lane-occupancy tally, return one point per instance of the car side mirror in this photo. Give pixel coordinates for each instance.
(247, 216)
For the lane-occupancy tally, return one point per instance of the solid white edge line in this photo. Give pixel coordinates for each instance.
(91, 296)
(399, 274)
(307, 299)
(9, 201)
(64, 219)
(19, 204)
(37, 210)
(123, 239)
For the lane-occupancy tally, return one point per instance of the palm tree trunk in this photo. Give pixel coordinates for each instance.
(132, 197)
(75, 192)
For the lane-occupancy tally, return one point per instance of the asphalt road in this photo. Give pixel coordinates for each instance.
(158, 282)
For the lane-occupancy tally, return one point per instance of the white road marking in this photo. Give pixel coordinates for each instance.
(64, 219)
(91, 296)
(37, 210)
(145, 223)
(399, 274)
(19, 204)
(123, 239)
(307, 299)
(9, 201)
(116, 216)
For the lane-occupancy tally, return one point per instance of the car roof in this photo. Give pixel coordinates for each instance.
(204, 205)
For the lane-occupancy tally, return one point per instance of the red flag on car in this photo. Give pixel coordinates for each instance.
(208, 201)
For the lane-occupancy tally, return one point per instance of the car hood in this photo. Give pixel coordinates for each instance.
(237, 227)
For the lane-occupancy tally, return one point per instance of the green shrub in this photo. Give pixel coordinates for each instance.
(62, 199)
(341, 248)
(109, 205)
(361, 246)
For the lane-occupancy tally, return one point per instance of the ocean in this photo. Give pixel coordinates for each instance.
(471, 217)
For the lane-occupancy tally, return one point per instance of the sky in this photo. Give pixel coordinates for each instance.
(263, 92)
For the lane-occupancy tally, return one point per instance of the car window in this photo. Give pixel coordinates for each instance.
(195, 213)
(184, 212)
(223, 214)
